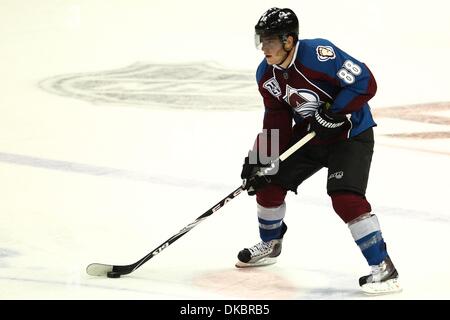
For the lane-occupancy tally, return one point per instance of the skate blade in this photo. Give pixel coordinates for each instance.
(260, 263)
(387, 287)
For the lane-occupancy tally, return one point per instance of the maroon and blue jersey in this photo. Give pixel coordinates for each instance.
(319, 74)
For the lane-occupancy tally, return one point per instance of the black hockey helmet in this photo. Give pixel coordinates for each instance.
(277, 22)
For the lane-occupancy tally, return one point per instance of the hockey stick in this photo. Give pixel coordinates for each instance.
(115, 271)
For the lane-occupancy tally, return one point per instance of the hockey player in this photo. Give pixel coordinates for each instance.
(322, 89)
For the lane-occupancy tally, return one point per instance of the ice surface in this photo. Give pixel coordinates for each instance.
(90, 180)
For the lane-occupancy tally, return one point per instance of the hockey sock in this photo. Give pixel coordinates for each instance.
(270, 222)
(367, 234)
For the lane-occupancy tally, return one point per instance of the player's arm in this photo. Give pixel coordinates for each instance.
(355, 86)
(355, 81)
(277, 114)
(277, 124)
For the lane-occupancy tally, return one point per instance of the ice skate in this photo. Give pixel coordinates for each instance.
(261, 254)
(382, 280)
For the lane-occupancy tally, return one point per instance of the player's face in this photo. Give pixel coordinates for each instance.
(273, 50)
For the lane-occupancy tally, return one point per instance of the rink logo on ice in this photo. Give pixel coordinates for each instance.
(338, 175)
(204, 85)
(325, 53)
(207, 86)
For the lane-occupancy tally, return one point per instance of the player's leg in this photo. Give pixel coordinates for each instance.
(271, 208)
(349, 166)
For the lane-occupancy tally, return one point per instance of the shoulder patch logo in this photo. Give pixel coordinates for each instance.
(325, 53)
(273, 87)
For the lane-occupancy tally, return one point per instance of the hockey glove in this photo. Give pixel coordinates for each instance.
(327, 124)
(253, 177)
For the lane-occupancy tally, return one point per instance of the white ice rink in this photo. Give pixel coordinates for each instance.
(122, 121)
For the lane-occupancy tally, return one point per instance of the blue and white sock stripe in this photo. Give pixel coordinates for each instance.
(271, 214)
(368, 237)
(270, 221)
(369, 240)
(269, 229)
(269, 224)
(373, 248)
(364, 227)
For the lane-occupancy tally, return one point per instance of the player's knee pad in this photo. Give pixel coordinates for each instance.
(271, 196)
(349, 206)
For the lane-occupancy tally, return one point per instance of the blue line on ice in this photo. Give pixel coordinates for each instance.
(93, 170)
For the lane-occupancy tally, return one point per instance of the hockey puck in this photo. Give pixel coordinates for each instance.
(112, 274)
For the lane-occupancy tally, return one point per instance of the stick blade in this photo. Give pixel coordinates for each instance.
(98, 269)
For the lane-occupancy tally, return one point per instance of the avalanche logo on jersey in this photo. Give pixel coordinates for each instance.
(273, 87)
(325, 53)
(305, 102)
